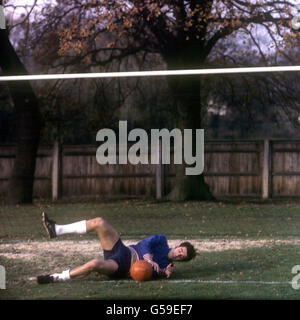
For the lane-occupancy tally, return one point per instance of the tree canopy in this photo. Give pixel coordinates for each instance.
(185, 33)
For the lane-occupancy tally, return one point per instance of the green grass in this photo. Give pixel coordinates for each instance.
(245, 265)
(135, 219)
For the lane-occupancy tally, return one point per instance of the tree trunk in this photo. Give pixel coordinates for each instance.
(186, 92)
(28, 125)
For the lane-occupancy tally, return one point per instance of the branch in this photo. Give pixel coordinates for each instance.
(260, 18)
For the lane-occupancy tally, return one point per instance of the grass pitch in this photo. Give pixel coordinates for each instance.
(246, 249)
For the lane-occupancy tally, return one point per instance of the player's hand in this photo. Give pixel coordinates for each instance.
(169, 270)
(155, 267)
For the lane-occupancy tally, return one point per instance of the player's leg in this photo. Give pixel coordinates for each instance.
(107, 235)
(54, 230)
(100, 266)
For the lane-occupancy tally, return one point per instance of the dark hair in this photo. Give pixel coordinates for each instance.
(191, 252)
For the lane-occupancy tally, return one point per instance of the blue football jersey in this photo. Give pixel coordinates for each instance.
(157, 247)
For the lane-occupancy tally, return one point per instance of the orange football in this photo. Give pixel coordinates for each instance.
(141, 270)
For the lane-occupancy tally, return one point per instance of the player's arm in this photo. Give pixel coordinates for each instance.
(149, 258)
(160, 239)
(160, 272)
(149, 243)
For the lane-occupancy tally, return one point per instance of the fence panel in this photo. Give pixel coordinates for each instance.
(232, 168)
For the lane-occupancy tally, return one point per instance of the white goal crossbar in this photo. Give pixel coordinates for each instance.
(65, 76)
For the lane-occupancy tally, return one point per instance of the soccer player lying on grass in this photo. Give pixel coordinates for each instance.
(118, 258)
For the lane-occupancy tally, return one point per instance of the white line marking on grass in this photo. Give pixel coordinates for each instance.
(217, 282)
(187, 281)
(202, 281)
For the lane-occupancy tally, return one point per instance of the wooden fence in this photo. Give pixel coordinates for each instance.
(253, 168)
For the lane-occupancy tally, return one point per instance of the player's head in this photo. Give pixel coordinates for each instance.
(184, 252)
(190, 251)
